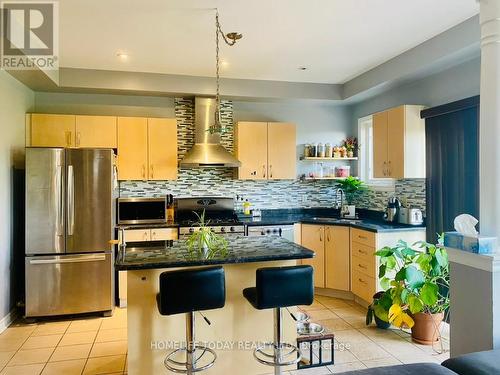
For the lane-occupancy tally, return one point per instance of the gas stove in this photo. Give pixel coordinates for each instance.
(219, 215)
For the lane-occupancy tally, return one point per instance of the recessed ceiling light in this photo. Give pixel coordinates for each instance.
(122, 55)
(224, 63)
(302, 68)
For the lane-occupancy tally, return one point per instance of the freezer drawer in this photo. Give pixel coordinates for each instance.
(68, 284)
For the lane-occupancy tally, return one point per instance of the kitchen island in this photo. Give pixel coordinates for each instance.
(235, 329)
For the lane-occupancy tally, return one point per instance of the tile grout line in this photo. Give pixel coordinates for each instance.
(92, 347)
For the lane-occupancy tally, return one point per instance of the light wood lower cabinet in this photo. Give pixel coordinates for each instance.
(313, 238)
(337, 258)
(47, 130)
(138, 235)
(331, 263)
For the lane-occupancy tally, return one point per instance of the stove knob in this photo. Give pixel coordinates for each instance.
(275, 231)
(222, 229)
(262, 233)
(191, 230)
(232, 229)
(268, 231)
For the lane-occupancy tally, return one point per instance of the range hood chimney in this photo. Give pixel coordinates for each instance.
(207, 151)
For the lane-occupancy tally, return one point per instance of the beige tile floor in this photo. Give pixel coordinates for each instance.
(99, 345)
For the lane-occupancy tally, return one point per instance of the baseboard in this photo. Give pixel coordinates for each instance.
(8, 319)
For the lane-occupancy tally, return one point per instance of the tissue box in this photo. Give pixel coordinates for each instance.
(479, 245)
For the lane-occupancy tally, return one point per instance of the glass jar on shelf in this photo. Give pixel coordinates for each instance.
(328, 150)
(320, 152)
(313, 150)
(307, 150)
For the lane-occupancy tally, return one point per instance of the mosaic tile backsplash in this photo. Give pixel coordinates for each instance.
(261, 194)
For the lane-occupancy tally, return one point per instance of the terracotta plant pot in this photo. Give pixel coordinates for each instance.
(426, 328)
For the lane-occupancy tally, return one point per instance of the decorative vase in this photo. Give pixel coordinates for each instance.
(380, 323)
(426, 328)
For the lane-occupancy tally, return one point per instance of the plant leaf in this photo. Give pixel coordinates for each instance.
(414, 277)
(381, 271)
(369, 316)
(385, 283)
(429, 294)
(400, 275)
(381, 313)
(415, 304)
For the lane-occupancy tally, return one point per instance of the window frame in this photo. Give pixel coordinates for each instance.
(365, 159)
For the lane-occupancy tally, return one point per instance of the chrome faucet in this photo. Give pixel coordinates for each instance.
(342, 207)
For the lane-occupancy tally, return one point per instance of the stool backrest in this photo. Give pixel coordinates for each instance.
(284, 286)
(191, 290)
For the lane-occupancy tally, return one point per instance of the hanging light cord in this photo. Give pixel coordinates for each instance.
(230, 40)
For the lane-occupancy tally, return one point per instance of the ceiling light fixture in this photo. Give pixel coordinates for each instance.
(230, 39)
(302, 68)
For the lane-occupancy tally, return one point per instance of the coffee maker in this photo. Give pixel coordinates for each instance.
(392, 209)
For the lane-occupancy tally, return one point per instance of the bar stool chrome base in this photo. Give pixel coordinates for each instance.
(190, 367)
(278, 358)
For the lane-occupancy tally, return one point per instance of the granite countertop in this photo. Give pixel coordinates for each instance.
(369, 220)
(169, 254)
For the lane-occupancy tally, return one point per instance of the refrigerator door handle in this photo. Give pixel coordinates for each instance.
(80, 259)
(59, 201)
(71, 200)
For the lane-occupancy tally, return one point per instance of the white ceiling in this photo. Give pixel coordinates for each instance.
(335, 39)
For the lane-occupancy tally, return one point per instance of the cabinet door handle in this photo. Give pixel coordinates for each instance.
(68, 139)
(77, 141)
(384, 169)
(362, 237)
(362, 252)
(153, 235)
(270, 171)
(361, 266)
(152, 171)
(144, 171)
(328, 234)
(361, 280)
(264, 171)
(321, 235)
(389, 169)
(145, 235)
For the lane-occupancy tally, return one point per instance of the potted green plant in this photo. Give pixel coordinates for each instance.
(417, 282)
(378, 309)
(352, 188)
(206, 243)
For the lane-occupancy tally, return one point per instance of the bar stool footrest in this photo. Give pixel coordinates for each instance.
(274, 361)
(183, 367)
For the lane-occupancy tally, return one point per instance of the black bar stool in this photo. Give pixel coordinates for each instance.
(189, 291)
(278, 287)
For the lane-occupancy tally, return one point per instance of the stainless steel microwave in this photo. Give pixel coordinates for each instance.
(141, 210)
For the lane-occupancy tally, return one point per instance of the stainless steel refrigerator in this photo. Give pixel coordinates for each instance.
(70, 200)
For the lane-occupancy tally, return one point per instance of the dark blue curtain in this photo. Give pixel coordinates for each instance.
(452, 164)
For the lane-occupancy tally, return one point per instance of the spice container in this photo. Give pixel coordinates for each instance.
(328, 150)
(320, 151)
(313, 149)
(307, 150)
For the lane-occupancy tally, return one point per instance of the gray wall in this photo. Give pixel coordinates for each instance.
(15, 100)
(457, 82)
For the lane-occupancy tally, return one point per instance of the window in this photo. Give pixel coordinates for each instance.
(365, 161)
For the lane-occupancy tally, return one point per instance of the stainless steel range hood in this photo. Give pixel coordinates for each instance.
(207, 151)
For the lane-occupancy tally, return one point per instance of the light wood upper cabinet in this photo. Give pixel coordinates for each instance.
(281, 151)
(96, 131)
(251, 150)
(132, 148)
(267, 151)
(162, 156)
(52, 130)
(399, 143)
(313, 238)
(337, 257)
(380, 145)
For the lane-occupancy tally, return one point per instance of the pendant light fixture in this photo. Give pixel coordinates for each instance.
(230, 39)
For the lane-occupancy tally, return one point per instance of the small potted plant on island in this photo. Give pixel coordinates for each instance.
(417, 282)
(204, 243)
(352, 188)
